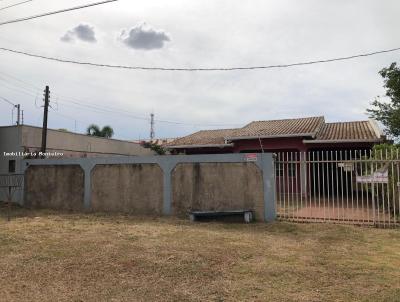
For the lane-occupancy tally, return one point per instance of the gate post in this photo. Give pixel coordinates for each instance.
(268, 170)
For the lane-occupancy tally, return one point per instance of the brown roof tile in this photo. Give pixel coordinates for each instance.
(308, 126)
(362, 130)
(314, 127)
(203, 137)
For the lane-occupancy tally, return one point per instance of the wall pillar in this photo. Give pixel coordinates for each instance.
(167, 164)
(87, 197)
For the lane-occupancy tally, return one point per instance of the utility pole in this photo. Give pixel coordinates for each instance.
(46, 111)
(22, 122)
(18, 114)
(152, 133)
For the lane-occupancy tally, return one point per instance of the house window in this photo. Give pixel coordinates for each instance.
(11, 166)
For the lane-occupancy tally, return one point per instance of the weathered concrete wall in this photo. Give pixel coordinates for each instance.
(54, 187)
(129, 188)
(155, 185)
(217, 186)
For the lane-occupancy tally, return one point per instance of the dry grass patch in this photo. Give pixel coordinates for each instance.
(48, 256)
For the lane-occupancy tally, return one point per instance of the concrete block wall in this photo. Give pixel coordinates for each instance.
(217, 186)
(127, 188)
(55, 187)
(155, 185)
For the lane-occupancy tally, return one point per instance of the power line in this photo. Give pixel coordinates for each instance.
(16, 4)
(68, 101)
(56, 12)
(198, 69)
(9, 102)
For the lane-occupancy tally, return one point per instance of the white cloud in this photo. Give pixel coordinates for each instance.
(143, 36)
(83, 32)
(205, 33)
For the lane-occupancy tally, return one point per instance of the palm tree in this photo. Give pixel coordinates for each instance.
(94, 130)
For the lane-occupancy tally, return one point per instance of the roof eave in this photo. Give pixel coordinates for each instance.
(199, 146)
(337, 141)
(270, 136)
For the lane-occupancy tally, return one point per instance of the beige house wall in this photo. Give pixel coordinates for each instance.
(79, 145)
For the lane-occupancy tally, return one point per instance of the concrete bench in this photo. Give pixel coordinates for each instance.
(247, 214)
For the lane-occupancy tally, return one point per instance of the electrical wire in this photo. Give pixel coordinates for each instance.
(6, 100)
(56, 12)
(68, 101)
(198, 69)
(19, 80)
(16, 4)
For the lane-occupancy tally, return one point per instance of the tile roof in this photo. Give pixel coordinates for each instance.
(203, 137)
(313, 127)
(281, 128)
(351, 131)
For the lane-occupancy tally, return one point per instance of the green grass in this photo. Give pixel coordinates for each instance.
(49, 256)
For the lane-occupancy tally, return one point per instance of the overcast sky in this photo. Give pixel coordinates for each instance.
(195, 33)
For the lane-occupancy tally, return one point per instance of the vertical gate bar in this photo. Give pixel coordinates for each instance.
(295, 212)
(373, 190)
(356, 154)
(332, 186)
(318, 183)
(277, 184)
(282, 173)
(292, 185)
(284, 185)
(375, 201)
(327, 184)
(398, 179)
(290, 195)
(314, 189)
(323, 183)
(393, 200)
(288, 185)
(351, 187)
(297, 185)
(310, 177)
(289, 198)
(346, 185)
(382, 165)
(301, 168)
(365, 186)
(279, 180)
(337, 185)
(341, 184)
(388, 163)
(360, 186)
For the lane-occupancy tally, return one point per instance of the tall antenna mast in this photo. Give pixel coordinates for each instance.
(152, 132)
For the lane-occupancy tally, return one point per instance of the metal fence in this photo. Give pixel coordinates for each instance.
(354, 187)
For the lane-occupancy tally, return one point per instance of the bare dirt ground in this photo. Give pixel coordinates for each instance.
(49, 256)
(339, 210)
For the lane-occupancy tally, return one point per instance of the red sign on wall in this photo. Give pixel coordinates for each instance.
(250, 157)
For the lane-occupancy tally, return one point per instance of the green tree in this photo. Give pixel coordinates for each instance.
(160, 150)
(94, 130)
(388, 111)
